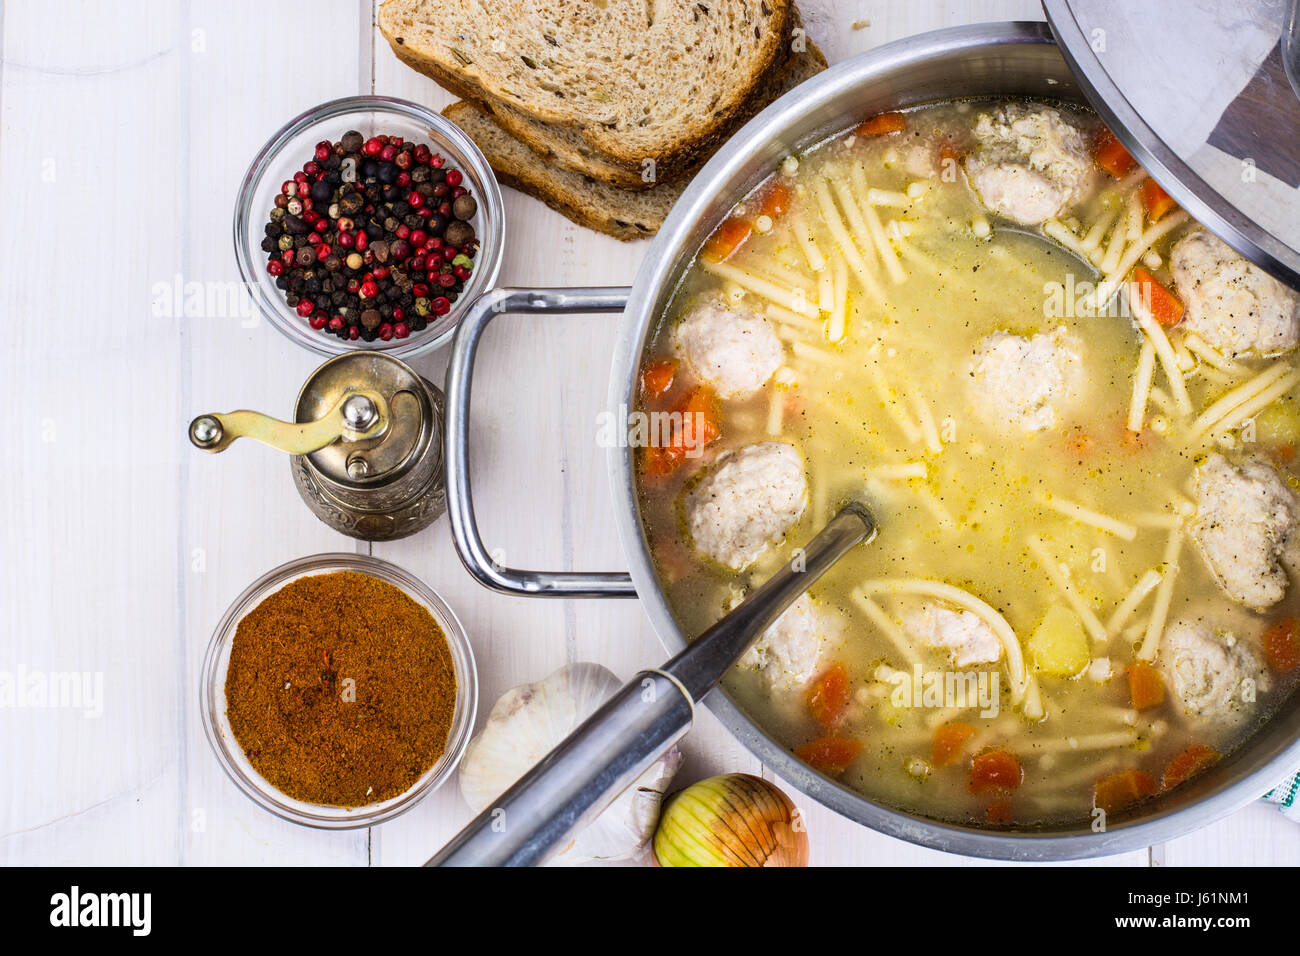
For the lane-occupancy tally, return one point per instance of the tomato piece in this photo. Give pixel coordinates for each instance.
(1282, 645)
(1187, 765)
(657, 378)
(995, 770)
(998, 813)
(1156, 200)
(830, 755)
(1145, 686)
(1110, 154)
(1165, 307)
(949, 740)
(726, 239)
(776, 199)
(1122, 789)
(882, 124)
(829, 697)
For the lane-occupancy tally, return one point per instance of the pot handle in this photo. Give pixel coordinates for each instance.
(460, 499)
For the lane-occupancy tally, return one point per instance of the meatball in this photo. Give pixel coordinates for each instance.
(1245, 522)
(789, 653)
(1233, 304)
(967, 638)
(1029, 164)
(1213, 673)
(750, 500)
(735, 351)
(1027, 383)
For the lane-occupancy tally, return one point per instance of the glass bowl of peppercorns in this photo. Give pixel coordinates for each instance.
(368, 223)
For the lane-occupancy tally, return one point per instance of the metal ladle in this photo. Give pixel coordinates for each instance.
(615, 745)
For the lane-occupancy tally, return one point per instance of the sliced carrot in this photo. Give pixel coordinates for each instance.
(1166, 308)
(1145, 686)
(1187, 765)
(949, 151)
(726, 239)
(700, 418)
(1122, 789)
(882, 124)
(830, 755)
(995, 770)
(775, 200)
(1156, 200)
(829, 697)
(1080, 444)
(1111, 155)
(949, 740)
(657, 378)
(1130, 440)
(695, 427)
(998, 813)
(1282, 645)
(1283, 453)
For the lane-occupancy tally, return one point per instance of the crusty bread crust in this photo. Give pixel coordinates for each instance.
(621, 213)
(568, 149)
(679, 144)
(617, 212)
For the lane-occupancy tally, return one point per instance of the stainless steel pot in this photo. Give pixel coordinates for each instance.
(1000, 59)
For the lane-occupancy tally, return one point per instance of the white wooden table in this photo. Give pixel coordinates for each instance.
(126, 128)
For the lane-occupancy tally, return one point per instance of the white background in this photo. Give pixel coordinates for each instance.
(126, 129)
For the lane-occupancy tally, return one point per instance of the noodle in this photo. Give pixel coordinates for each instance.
(966, 601)
(1127, 607)
(847, 246)
(1164, 595)
(795, 300)
(1044, 557)
(1146, 368)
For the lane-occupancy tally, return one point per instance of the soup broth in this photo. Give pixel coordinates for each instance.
(1064, 530)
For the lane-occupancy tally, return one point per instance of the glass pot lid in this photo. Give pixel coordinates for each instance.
(1201, 93)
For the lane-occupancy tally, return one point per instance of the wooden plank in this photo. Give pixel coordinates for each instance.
(88, 549)
(233, 500)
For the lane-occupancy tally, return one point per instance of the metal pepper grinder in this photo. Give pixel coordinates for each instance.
(366, 445)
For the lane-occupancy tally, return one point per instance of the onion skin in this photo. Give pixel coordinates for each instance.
(732, 820)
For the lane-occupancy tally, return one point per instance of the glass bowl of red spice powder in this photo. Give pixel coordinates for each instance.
(294, 145)
(351, 618)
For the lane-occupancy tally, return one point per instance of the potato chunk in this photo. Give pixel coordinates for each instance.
(1058, 647)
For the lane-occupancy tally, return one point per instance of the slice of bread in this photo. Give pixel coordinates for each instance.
(638, 80)
(622, 213)
(566, 147)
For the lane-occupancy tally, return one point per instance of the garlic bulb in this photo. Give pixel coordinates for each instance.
(527, 723)
(732, 820)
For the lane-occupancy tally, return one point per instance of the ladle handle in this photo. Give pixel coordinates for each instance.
(359, 415)
(620, 741)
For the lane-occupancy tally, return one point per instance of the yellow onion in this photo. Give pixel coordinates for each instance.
(732, 820)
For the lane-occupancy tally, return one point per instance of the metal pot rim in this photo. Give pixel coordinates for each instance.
(1164, 820)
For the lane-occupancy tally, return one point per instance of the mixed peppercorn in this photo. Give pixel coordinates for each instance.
(372, 238)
